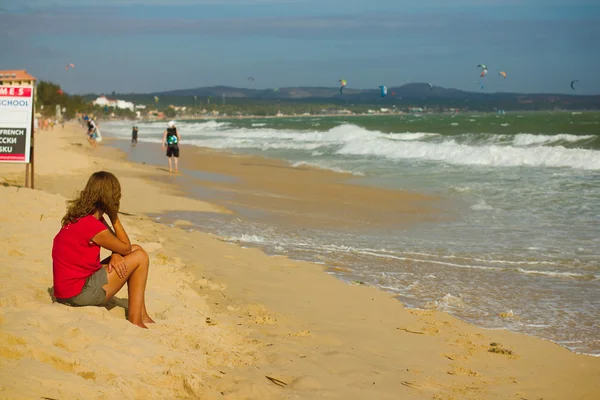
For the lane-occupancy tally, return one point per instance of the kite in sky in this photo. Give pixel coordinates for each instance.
(484, 70)
(383, 91)
(343, 84)
(573, 84)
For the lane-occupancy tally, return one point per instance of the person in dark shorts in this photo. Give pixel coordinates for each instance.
(91, 132)
(171, 141)
(134, 135)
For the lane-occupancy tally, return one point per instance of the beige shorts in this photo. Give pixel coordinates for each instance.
(92, 294)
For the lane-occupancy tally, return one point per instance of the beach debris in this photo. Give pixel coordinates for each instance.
(411, 331)
(41, 217)
(498, 349)
(507, 314)
(276, 381)
(358, 283)
(210, 321)
(410, 384)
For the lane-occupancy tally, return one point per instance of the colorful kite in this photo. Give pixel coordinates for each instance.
(383, 91)
(484, 70)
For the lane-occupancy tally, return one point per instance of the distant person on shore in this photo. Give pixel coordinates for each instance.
(80, 278)
(171, 141)
(91, 132)
(134, 135)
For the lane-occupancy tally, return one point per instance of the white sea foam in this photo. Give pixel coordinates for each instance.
(448, 302)
(481, 206)
(244, 238)
(558, 274)
(528, 139)
(351, 140)
(320, 165)
(451, 152)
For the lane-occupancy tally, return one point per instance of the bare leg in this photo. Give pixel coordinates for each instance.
(176, 164)
(137, 274)
(170, 165)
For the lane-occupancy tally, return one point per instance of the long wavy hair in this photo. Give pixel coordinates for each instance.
(101, 193)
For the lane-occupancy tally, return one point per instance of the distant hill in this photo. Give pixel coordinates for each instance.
(421, 94)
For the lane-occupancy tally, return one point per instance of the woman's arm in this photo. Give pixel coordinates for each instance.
(116, 241)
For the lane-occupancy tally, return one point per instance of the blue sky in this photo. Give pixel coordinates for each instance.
(155, 45)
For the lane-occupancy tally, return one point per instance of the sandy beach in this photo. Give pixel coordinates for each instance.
(232, 322)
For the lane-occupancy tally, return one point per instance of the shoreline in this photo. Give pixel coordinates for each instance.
(240, 316)
(214, 160)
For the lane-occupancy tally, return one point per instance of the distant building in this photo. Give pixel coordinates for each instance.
(103, 101)
(16, 77)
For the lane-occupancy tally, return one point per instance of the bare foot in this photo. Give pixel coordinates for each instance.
(147, 320)
(140, 324)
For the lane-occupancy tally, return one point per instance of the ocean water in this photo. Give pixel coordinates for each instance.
(522, 251)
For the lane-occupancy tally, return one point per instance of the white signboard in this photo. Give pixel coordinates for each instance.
(16, 113)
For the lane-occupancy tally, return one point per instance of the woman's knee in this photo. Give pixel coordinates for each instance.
(135, 247)
(140, 254)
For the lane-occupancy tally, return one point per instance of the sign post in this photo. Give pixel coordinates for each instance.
(16, 122)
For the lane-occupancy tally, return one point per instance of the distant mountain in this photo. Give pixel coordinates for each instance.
(422, 94)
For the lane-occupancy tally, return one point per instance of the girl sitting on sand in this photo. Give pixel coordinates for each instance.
(80, 278)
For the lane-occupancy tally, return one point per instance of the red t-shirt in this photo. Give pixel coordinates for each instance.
(74, 256)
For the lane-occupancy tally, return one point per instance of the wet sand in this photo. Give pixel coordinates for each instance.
(302, 196)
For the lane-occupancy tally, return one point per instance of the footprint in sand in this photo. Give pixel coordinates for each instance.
(9, 346)
(15, 253)
(304, 333)
(259, 315)
(456, 369)
(206, 284)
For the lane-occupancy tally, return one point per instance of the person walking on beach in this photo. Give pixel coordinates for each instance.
(80, 278)
(171, 141)
(91, 132)
(134, 135)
